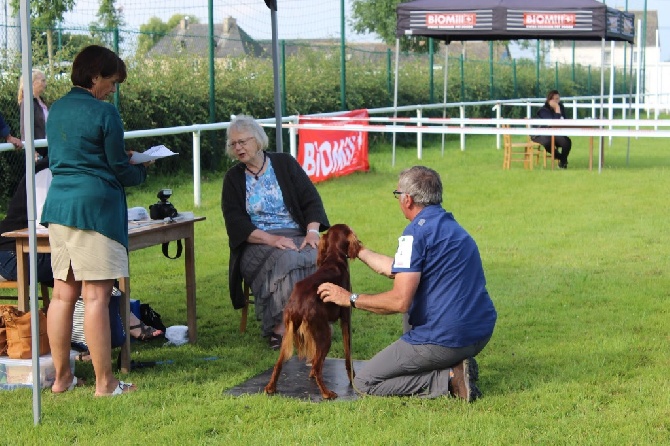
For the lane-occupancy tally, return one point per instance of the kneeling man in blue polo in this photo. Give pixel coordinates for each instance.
(439, 283)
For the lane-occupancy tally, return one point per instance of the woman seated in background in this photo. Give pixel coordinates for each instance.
(17, 218)
(553, 109)
(40, 110)
(273, 216)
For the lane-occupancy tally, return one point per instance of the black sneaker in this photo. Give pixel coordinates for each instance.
(463, 384)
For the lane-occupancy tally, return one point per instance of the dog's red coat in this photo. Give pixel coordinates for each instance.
(307, 318)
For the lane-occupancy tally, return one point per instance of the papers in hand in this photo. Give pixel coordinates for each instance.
(153, 153)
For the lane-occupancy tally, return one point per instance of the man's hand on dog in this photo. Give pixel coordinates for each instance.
(329, 292)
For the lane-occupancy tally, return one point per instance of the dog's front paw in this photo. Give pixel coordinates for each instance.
(328, 395)
(270, 389)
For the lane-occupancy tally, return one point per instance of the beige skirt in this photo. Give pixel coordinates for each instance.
(91, 255)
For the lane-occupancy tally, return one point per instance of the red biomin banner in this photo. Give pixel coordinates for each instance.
(325, 153)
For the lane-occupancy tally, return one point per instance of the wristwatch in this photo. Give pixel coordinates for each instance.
(352, 300)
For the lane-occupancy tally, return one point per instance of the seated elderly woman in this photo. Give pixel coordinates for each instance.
(273, 216)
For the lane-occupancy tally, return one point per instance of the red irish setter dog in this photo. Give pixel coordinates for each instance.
(307, 318)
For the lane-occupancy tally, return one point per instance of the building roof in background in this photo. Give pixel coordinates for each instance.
(231, 40)
(191, 39)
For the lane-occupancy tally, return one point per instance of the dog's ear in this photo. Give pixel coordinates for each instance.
(322, 249)
(354, 245)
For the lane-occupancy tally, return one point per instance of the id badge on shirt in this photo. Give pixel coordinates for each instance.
(403, 255)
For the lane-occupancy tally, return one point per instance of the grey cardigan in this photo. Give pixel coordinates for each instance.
(300, 197)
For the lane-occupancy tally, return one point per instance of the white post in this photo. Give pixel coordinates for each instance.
(196, 168)
(395, 95)
(419, 134)
(498, 109)
(593, 109)
(293, 138)
(658, 89)
(637, 80)
(462, 114)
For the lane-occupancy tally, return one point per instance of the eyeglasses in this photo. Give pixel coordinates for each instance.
(397, 193)
(240, 142)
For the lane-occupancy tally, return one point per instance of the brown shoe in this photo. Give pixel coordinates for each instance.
(463, 384)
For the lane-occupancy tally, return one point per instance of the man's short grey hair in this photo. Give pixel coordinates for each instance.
(422, 184)
(246, 124)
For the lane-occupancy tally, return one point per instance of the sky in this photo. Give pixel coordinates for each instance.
(296, 18)
(663, 9)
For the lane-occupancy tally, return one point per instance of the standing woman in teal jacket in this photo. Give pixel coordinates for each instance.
(86, 212)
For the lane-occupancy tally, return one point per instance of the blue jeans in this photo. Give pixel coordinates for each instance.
(8, 267)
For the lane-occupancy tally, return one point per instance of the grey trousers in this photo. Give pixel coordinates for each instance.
(404, 369)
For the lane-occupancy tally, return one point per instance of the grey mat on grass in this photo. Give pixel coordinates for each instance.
(294, 382)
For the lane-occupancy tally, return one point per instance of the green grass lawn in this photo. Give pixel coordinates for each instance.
(576, 263)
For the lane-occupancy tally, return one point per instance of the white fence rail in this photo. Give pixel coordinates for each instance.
(624, 127)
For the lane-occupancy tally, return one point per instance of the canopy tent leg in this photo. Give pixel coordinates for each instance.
(444, 92)
(29, 149)
(275, 72)
(602, 100)
(395, 96)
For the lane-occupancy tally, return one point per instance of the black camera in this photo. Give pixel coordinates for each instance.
(163, 209)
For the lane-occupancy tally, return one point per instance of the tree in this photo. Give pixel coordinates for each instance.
(68, 47)
(155, 29)
(109, 18)
(544, 46)
(379, 17)
(45, 15)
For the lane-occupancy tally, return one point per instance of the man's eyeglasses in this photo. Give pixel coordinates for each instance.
(240, 142)
(397, 193)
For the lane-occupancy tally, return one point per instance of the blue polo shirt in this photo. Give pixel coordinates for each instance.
(451, 306)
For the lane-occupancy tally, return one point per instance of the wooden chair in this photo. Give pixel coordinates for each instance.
(245, 309)
(12, 284)
(540, 151)
(519, 151)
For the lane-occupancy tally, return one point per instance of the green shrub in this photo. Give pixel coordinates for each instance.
(171, 92)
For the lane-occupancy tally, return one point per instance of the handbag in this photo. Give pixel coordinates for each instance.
(3, 336)
(151, 318)
(19, 337)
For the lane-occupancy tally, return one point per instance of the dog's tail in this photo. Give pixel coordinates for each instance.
(287, 341)
(304, 342)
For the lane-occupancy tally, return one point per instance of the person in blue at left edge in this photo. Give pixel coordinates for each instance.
(6, 134)
(439, 280)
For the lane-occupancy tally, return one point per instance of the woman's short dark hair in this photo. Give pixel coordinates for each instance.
(96, 60)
